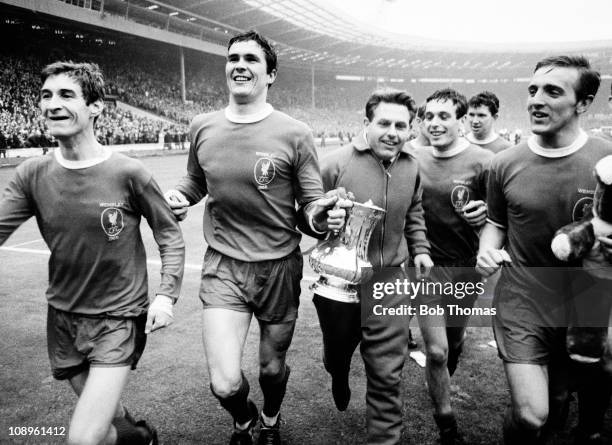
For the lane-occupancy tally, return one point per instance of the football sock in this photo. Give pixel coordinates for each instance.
(127, 433)
(273, 389)
(453, 359)
(515, 434)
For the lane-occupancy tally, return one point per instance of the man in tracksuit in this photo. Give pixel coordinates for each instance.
(377, 166)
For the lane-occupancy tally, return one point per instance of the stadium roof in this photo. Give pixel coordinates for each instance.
(312, 33)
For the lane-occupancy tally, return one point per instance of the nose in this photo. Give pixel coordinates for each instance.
(535, 99)
(392, 132)
(51, 103)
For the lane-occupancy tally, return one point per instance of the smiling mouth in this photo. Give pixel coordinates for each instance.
(436, 133)
(241, 79)
(538, 115)
(57, 118)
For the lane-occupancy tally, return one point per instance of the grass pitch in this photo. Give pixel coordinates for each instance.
(170, 386)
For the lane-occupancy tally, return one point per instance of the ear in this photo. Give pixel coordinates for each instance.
(366, 121)
(495, 116)
(583, 105)
(272, 76)
(96, 107)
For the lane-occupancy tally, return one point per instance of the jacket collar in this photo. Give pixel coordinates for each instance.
(360, 143)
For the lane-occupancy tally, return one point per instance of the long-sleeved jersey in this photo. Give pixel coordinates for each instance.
(90, 219)
(253, 174)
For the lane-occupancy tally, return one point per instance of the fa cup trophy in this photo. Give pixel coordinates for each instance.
(342, 259)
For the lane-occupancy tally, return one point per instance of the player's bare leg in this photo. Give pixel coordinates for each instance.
(97, 406)
(224, 334)
(528, 385)
(78, 383)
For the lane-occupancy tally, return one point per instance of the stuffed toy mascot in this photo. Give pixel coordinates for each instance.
(579, 241)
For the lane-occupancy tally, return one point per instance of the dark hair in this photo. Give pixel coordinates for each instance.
(588, 79)
(420, 111)
(485, 99)
(268, 49)
(391, 96)
(87, 75)
(457, 98)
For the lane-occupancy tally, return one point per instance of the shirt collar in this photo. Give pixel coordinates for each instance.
(249, 118)
(470, 137)
(461, 146)
(75, 165)
(560, 152)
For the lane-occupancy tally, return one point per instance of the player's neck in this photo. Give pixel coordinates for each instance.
(560, 139)
(80, 147)
(482, 138)
(241, 108)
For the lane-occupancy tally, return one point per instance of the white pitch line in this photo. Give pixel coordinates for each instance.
(190, 266)
(27, 242)
(23, 250)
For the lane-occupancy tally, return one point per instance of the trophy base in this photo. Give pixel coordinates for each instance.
(336, 289)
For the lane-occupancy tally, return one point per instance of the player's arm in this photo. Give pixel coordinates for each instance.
(16, 207)
(491, 255)
(169, 239)
(322, 212)
(192, 187)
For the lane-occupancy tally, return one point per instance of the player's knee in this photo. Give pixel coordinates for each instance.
(271, 369)
(437, 355)
(530, 417)
(224, 387)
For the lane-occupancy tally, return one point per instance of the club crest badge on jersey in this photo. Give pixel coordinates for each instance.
(581, 208)
(460, 196)
(112, 222)
(264, 172)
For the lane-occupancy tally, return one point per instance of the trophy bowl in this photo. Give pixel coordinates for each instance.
(342, 260)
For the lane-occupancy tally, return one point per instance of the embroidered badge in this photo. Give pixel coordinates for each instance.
(264, 172)
(582, 208)
(460, 196)
(112, 222)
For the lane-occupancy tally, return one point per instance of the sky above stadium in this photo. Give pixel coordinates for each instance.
(484, 21)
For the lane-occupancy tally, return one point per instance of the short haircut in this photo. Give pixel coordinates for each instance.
(391, 96)
(485, 99)
(458, 100)
(268, 49)
(588, 79)
(87, 75)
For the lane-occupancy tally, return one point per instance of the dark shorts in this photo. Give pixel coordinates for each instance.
(268, 289)
(75, 342)
(522, 334)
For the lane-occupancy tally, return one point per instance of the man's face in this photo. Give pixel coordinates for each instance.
(245, 71)
(64, 109)
(441, 123)
(388, 130)
(551, 102)
(480, 121)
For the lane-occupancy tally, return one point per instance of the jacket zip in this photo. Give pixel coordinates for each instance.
(384, 218)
